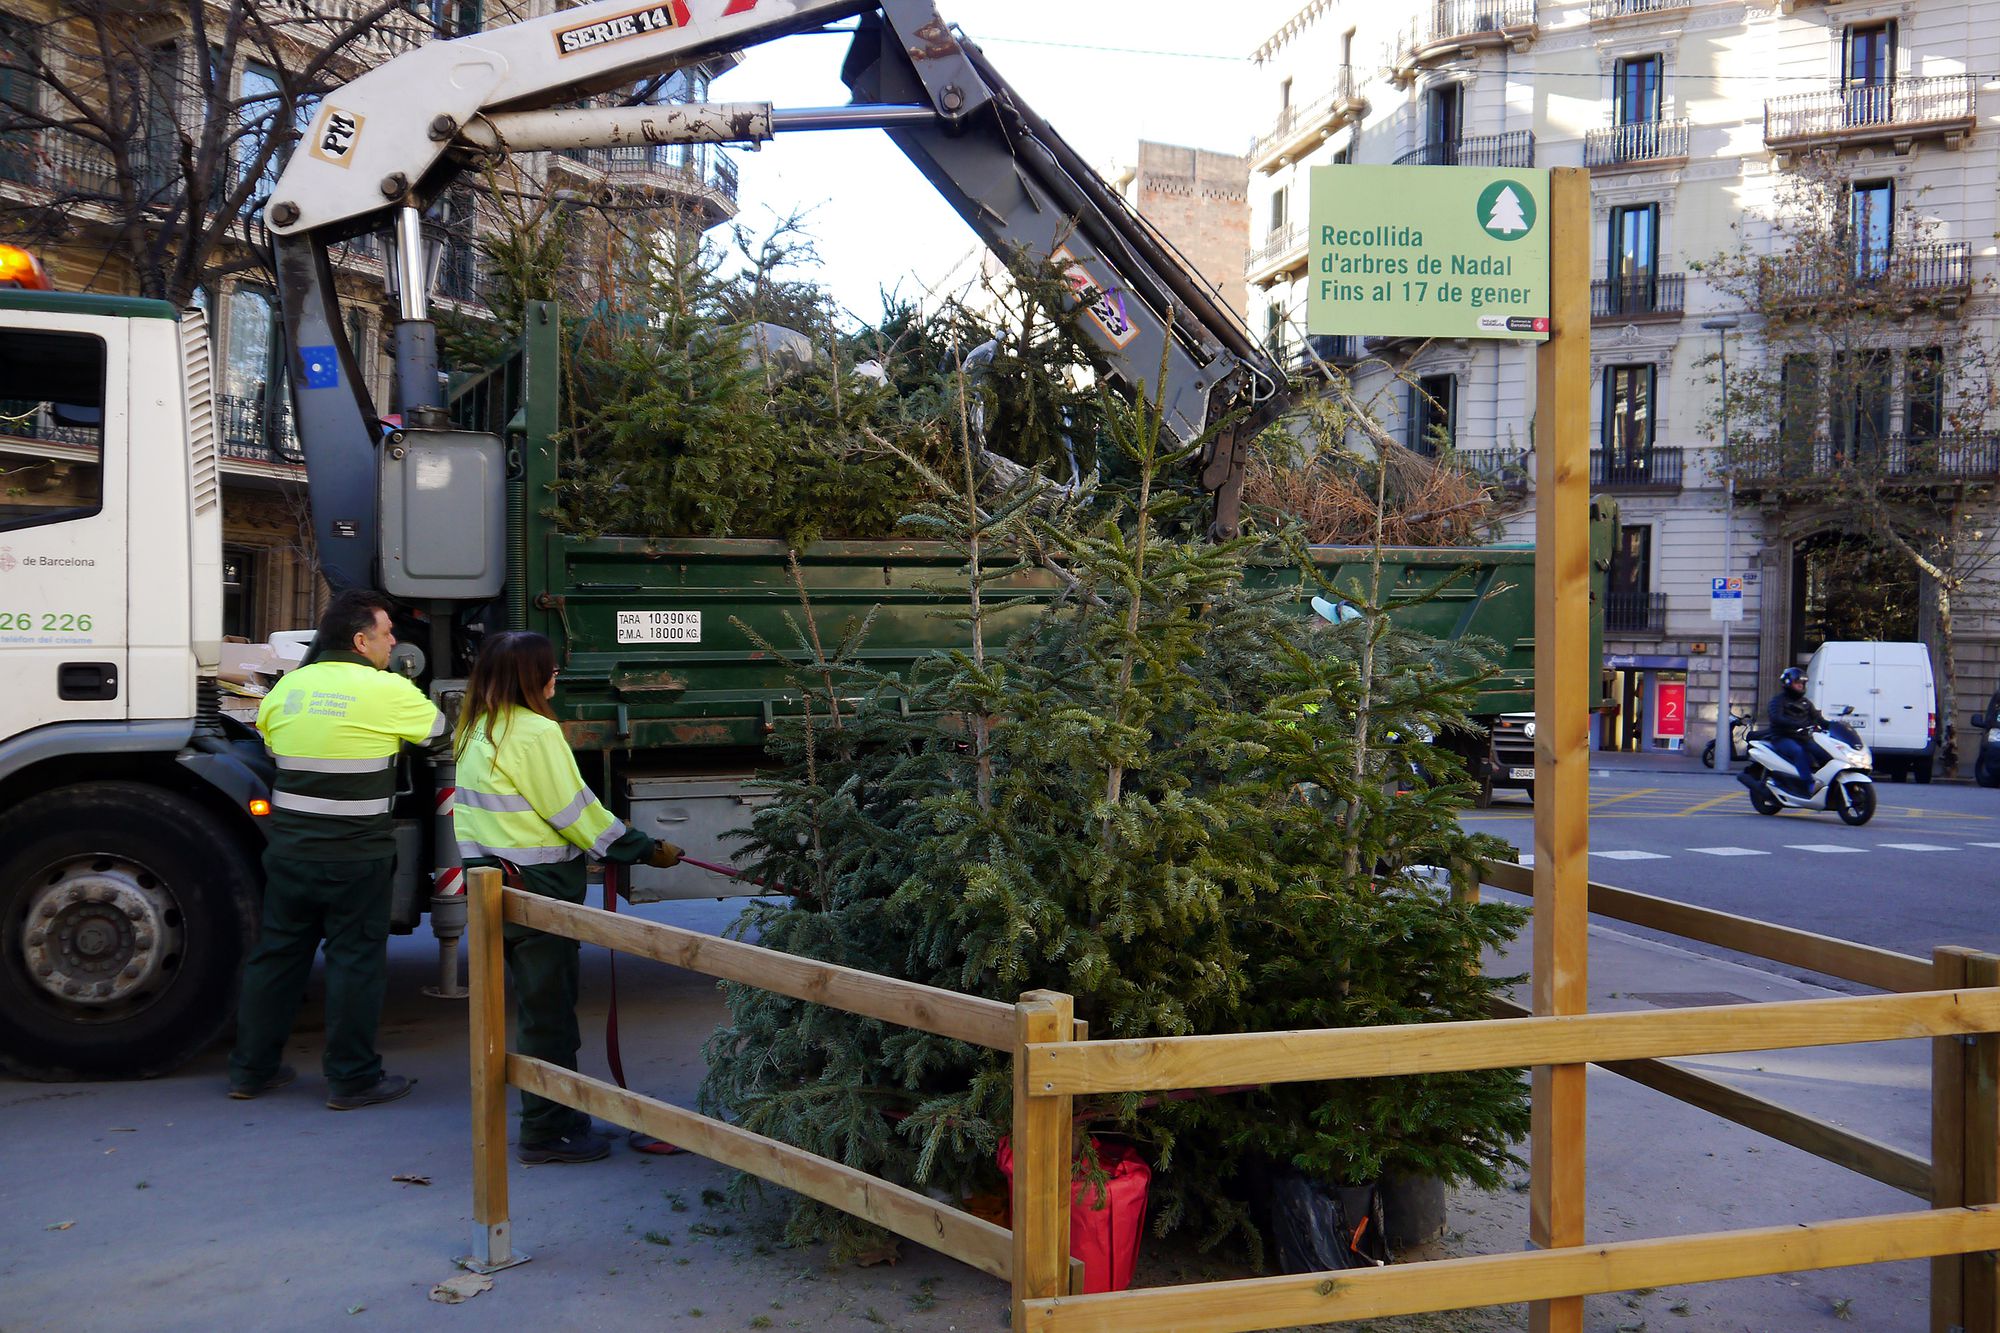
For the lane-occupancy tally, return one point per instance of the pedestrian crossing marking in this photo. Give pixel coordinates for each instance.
(1631, 856)
(1829, 848)
(1914, 847)
(1728, 851)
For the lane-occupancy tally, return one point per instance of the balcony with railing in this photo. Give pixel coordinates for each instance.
(701, 176)
(1928, 274)
(1332, 349)
(1899, 111)
(1645, 297)
(1447, 28)
(1648, 469)
(246, 433)
(1282, 253)
(1636, 614)
(1514, 149)
(1505, 470)
(1303, 126)
(1602, 11)
(1895, 460)
(1637, 143)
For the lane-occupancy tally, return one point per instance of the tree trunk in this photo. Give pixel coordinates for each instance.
(1947, 647)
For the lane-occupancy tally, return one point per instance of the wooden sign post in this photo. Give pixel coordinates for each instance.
(1562, 728)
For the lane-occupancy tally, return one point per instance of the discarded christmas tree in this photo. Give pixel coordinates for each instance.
(1171, 797)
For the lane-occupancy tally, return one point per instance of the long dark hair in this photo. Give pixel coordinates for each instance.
(513, 671)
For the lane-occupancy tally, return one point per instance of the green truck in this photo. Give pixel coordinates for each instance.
(667, 695)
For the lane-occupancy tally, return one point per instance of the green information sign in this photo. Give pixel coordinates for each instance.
(1429, 252)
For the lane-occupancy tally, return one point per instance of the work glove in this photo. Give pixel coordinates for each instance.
(664, 855)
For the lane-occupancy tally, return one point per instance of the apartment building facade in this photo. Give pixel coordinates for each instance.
(270, 579)
(1689, 114)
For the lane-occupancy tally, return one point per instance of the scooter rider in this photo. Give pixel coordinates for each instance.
(1792, 715)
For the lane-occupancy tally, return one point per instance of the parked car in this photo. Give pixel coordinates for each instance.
(1986, 767)
(1888, 694)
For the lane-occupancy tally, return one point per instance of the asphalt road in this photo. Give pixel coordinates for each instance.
(1924, 872)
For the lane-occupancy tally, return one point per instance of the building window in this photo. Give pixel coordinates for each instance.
(1844, 587)
(239, 593)
(1277, 211)
(252, 410)
(1635, 255)
(1635, 91)
(1630, 580)
(1871, 55)
(1923, 393)
(1430, 422)
(451, 18)
(158, 157)
(1284, 98)
(1871, 209)
(20, 100)
(51, 427)
(1798, 399)
(1628, 422)
(1444, 121)
(1861, 421)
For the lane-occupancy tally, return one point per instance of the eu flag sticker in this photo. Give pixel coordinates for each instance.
(321, 367)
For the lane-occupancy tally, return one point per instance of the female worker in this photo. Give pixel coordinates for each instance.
(523, 807)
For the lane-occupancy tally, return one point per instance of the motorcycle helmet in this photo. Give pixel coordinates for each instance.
(1792, 677)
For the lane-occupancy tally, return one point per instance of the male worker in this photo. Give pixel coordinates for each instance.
(335, 726)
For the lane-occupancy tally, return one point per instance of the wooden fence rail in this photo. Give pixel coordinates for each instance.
(1953, 1000)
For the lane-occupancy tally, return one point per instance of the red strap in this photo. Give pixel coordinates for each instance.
(612, 1056)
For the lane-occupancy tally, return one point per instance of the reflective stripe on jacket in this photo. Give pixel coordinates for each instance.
(520, 796)
(335, 728)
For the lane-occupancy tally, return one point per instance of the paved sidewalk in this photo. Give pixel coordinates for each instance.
(163, 1205)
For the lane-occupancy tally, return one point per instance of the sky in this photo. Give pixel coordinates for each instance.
(1104, 73)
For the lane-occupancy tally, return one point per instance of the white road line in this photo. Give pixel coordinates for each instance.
(1830, 848)
(1983, 844)
(1915, 847)
(1630, 856)
(1728, 851)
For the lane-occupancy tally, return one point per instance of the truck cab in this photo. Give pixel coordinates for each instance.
(127, 846)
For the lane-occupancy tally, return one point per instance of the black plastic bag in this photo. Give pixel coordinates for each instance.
(1315, 1227)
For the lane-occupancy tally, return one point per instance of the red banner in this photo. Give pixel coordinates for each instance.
(1670, 709)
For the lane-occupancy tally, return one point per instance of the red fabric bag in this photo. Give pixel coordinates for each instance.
(1104, 1225)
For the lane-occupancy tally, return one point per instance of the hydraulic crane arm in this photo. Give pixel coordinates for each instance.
(383, 147)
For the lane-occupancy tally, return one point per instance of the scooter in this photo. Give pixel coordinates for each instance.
(1840, 781)
(1739, 728)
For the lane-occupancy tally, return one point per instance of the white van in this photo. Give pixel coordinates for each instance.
(1892, 696)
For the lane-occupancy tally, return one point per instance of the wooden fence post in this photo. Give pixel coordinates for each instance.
(1563, 675)
(1982, 1154)
(1948, 1107)
(1041, 1140)
(492, 1238)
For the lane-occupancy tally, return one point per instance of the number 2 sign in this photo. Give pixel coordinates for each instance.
(1670, 714)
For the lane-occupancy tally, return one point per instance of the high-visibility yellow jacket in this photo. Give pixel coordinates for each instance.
(521, 799)
(335, 728)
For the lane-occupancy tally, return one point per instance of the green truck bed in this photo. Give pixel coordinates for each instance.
(659, 639)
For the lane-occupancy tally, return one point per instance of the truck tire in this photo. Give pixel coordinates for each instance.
(125, 914)
(1986, 774)
(1923, 770)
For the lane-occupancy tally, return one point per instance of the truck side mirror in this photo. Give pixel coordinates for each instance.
(1979, 721)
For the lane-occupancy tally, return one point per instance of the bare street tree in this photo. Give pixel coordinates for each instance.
(1872, 403)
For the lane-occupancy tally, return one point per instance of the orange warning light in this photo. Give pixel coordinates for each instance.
(259, 807)
(19, 268)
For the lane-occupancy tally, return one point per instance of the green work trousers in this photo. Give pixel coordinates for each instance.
(543, 973)
(345, 905)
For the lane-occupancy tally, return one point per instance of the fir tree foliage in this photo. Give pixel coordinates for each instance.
(1170, 796)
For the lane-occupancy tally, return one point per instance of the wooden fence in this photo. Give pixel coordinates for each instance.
(1953, 1000)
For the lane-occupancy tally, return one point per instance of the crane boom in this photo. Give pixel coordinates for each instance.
(382, 148)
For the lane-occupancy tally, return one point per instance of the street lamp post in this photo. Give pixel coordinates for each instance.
(1725, 748)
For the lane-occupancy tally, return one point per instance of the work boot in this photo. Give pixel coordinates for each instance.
(385, 1089)
(244, 1092)
(581, 1145)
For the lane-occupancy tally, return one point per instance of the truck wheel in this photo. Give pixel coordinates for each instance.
(1923, 770)
(125, 913)
(1987, 775)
